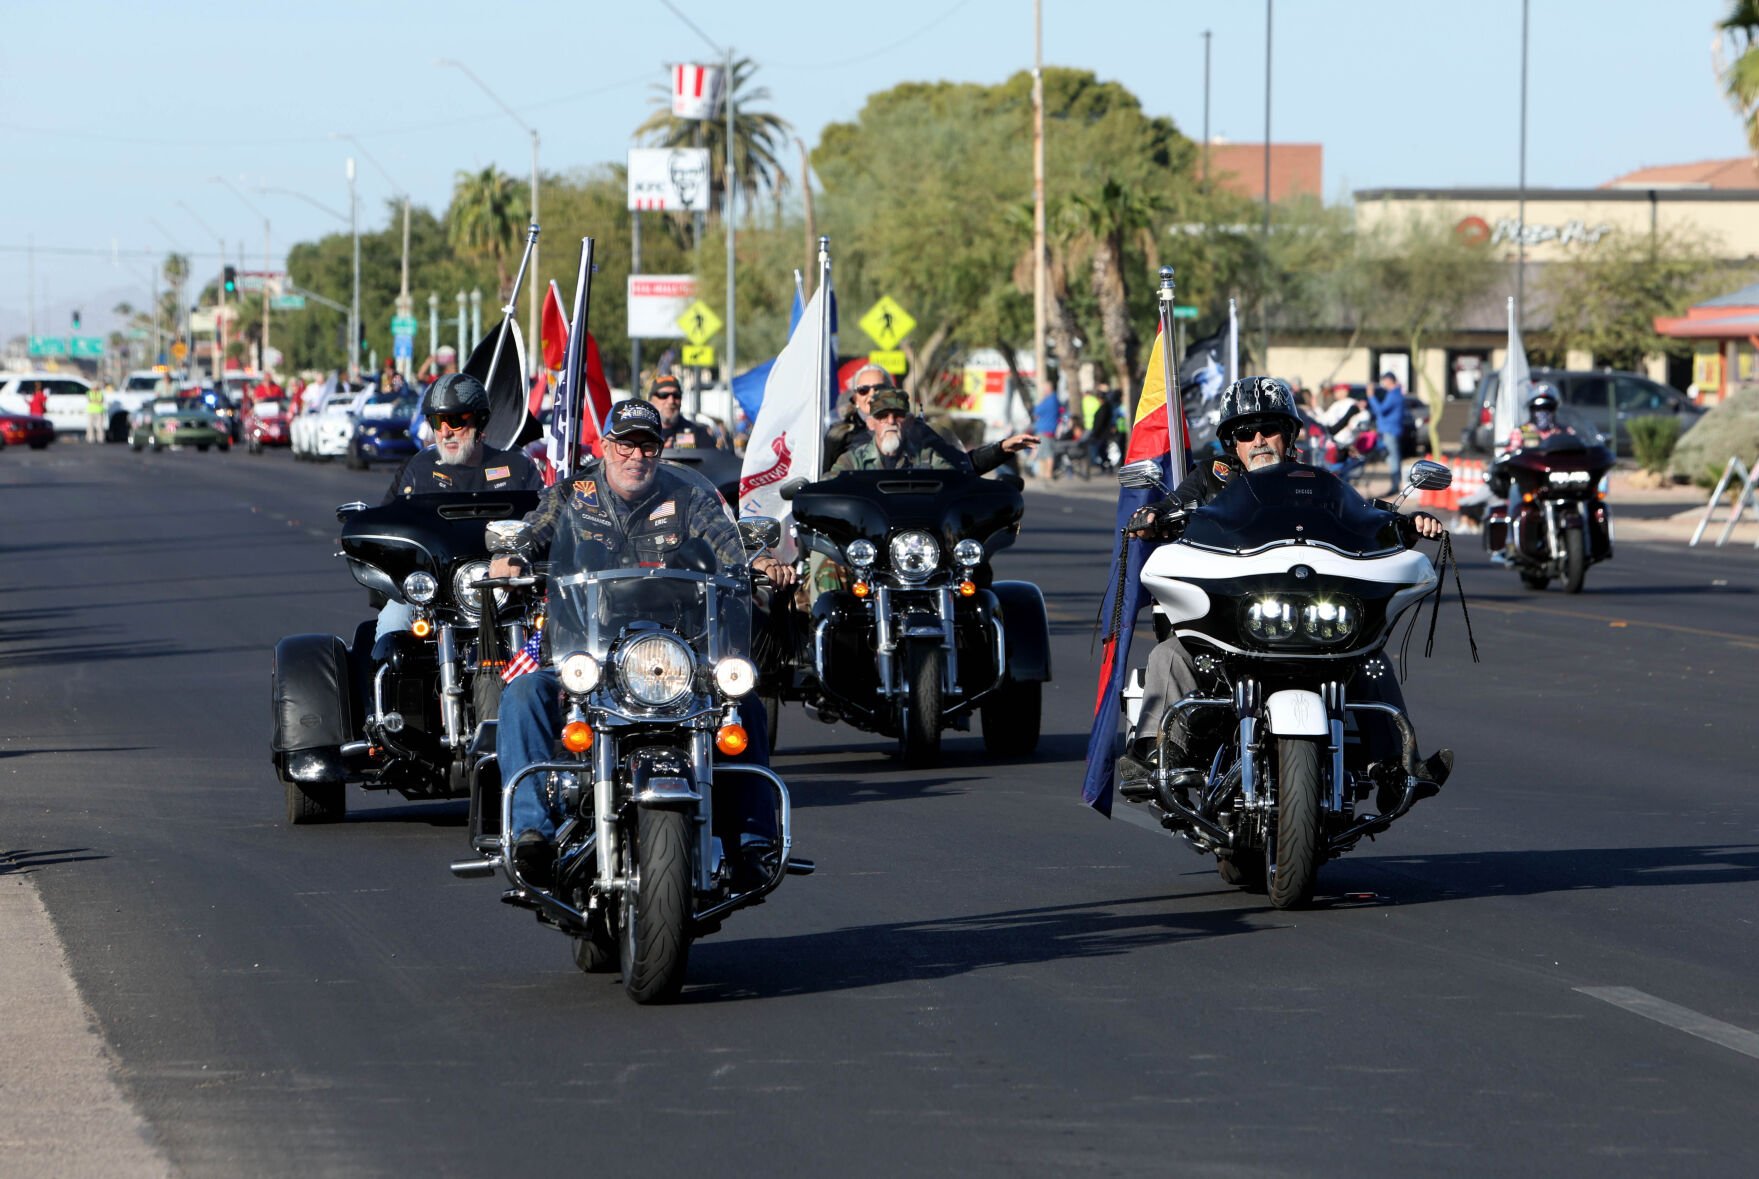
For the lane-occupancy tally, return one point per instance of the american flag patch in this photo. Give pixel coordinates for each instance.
(526, 660)
(665, 510)
(497, 472)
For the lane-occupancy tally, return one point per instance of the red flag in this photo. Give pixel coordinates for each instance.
(596, 405)
(554, 329)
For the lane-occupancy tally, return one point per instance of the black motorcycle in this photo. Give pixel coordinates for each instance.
(405, 721)
(1556, 522)
(922, 637)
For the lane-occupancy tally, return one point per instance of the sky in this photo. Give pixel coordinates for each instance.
(116, 119)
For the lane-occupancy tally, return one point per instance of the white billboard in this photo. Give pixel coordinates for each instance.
(669, 179)
(655, 303)
(696, 91)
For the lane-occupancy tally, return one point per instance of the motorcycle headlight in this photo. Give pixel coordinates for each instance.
(968, 552)
(420, 587)
(1329, 620)
(656, 669)
(464, 596)
(861, 553)
(579, 673)
(735, 676)
(1270, 618)
(915, 554)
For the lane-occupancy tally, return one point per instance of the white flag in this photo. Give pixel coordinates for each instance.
(787, 439)
(1512, 385)
(1233, 343)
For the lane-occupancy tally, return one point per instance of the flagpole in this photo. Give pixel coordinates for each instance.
(1233, 344)
(822, 376)
(574, 364)
(512, 306)
(1169, 377)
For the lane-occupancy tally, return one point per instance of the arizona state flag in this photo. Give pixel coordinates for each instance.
(1148, 440)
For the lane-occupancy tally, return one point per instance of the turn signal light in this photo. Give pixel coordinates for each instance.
(421, 628)
(577, 736)
(967, 588)
(1526, 497)
(861, 589)
(731, 740)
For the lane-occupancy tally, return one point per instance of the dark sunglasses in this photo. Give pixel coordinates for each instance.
(457, 421)
(665, 394)
(649, 448)
(869, 389)
(1247, 431)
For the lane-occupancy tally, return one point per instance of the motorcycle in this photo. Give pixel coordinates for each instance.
(1284, 590)
(1555, 523)
(406, 722)
(654, 673)
(923, 637)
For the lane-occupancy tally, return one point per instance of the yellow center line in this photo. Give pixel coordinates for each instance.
(1750, 641)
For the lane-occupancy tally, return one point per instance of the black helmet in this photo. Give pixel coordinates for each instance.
(1257, 399)
(459, 393)
(1542, 397)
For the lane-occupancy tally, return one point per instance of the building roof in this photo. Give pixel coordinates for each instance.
(1296, 169)
(1732, 316)
(1747, 296)
(1539, 195)
(1740, 172)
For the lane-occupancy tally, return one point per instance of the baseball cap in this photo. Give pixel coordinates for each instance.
(631, 418)
(665, 384)
(888, 401)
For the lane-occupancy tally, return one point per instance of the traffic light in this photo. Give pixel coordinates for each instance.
(76, 320)
(231, 280)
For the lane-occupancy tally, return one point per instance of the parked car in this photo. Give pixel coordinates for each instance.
(177, 421)
(265, 425)
(381, 434)
(21, 429)
(66, 409)
(1589, 398)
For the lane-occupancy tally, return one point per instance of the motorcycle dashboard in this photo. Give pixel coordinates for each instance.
(1292, 502)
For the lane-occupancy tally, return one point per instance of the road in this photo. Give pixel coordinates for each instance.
(1548, 969)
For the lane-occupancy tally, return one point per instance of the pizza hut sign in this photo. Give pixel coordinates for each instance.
(1508, 231)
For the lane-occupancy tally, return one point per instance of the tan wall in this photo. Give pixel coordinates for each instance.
(1558, 229)
(1318, 367)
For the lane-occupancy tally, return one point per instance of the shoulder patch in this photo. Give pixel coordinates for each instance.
(1219, 469)
(498, 473)
(440, 476)
(586, 493)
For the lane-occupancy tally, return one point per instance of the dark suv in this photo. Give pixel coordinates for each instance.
(1586, 396)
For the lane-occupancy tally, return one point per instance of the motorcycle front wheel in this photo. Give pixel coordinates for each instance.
(656, 908)
(920, 732)
(1296, 867)
(1575, 561)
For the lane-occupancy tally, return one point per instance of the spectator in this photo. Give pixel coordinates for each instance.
(1387, 403)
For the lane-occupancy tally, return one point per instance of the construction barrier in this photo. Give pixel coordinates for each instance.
(1469, 476)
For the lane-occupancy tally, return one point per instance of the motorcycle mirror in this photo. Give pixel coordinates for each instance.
(503, 535)
(788, 490)
(1428, 475)
(1140, 474)
(348, 509)
(760, 532)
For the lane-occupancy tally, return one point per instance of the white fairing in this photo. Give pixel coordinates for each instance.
(1294, 713)
(1173, 573)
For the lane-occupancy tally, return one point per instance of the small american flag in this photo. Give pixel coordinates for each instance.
(526, 660)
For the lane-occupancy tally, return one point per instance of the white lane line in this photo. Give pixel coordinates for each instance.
(1693, 1023)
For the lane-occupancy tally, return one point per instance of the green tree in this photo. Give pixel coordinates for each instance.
(488, 218)
(1737, 63)
(1605, 299)
(1110, 219)
(758, 136)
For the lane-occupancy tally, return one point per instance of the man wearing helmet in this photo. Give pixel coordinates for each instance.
(1256, 427)
(1542, 423)
(457, 409)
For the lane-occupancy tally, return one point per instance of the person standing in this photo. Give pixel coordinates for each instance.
(95, 401)
(1047, 415)
(1387, 403)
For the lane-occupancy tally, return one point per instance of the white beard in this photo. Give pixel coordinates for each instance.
(1262, 457)
(889, 443)
(464, 456)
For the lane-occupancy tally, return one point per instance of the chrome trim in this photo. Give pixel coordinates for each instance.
(1248, 771)
(1364, 555)
(818, 648)
(740, 900)
(668, 790)
(451, 692)
(885, 642)
(1336, 803)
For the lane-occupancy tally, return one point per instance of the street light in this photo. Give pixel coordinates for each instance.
(533, 342)
(220, 296)
(353, 229)
(268, 265)
(405, 305)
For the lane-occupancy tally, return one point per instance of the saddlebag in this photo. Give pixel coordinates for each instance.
(1027, 625)
(312, 697)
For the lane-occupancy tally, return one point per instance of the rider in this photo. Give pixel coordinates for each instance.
(1257, 425)
(677, 432)
(898, 441)
(1542, 421)
(642, 510)
(851, 424)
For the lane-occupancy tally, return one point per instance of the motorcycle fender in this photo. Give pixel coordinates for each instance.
(1026, 623)
(311, 695)
(919, 624)
(1297, 713)
(662, 781)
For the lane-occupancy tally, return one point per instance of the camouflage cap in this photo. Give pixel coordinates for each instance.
(888, 401)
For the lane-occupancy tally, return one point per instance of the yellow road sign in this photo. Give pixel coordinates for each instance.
(179, 350)
(892, 362)
(699, 356)
(699, 323)
(887, 323)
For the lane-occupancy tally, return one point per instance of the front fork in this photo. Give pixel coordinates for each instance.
(889, 636)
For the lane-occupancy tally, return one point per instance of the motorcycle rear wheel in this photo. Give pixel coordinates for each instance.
(920, 732)
(1296, 867)
(656, 908)
(1575, 561)
(316, 802)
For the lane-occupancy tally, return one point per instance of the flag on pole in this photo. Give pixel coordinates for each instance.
(1512, 385)
(527, 660)
(787, 439)
(553, 327)
(748, 386)
(1148, 440)
(1233, 343)
(595, 406)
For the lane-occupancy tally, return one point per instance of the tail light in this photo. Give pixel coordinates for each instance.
(1484, 416)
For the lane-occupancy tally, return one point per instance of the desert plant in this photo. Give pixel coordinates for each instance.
(1652, 441)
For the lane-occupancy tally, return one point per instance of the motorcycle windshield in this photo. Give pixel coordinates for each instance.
(1292, 503)
(949, 504)
(592, 608)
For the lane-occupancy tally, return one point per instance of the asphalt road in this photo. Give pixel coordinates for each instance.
(1548, 969)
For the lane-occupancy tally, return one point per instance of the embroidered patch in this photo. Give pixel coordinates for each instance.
(498, 473)
(665, 511)
(442, 477)
(1219, 469)
(586, 493)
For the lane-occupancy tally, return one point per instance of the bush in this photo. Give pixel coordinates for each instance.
(1653, 440)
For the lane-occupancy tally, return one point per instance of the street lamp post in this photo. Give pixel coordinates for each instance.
(533, 344)
(220, 295)
(268, 265)
(463, 351)
(476, 318)
(405, 304)
(354, 297)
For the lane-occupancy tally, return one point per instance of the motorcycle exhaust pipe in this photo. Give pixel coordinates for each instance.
(476, 868)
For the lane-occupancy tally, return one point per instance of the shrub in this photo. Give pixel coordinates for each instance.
(1653, 440)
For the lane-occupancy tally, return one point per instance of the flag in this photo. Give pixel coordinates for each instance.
(553, 327)
(596, 406)
(1512, 385)
(787, 439)
(1233, 343)
(748, 386)
(1148, 440)
(526, 660)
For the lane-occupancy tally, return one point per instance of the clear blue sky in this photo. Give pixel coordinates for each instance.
(113, 113)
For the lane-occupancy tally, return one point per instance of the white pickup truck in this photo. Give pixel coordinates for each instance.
(66, 405)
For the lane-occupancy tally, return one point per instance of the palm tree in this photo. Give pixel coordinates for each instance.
(1108, 221)
(1739, 70)
(487, 219)
(758, 135)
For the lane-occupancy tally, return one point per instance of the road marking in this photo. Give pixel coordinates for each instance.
(1585, 616)
(1693, 1023)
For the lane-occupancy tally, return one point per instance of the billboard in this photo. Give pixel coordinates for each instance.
(669, 179)
(655, 303)
(696, 91)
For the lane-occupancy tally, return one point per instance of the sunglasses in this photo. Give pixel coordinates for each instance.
(666, 395)
(868, 390)
(1247, 431)
(647, 449)
(457, 421)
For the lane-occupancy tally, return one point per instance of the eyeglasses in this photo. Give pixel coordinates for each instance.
(648, 448)
(1247, 431)
(666, 395)
(455, 421)
(868, 390)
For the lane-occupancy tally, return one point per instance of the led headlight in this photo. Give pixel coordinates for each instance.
(1269, 618)
(1329, 621)
(861, 553)
(420, 587)
(735, 676)
(968, 552)
(466, 596)
(915, 554)
(1567, 477)
(579, 673)
(656, 669)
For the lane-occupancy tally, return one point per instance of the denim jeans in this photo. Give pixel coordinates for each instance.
(1394, 460)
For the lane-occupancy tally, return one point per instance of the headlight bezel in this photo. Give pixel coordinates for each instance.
(464, 599)
(735, 676)
(1282, 620)
(639, 685)
(579, 673)
(968, 553)
(861, 553)
(420, 587)
(915, 554)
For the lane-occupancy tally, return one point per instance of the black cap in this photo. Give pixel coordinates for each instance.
(630, 418)
(668, 384)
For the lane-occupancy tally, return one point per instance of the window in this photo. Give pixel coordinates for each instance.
(1587, 391)
(1633, 395)
(64, 388)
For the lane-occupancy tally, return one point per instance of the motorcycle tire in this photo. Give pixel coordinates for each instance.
(595, 951)
(1575, 561)
(202, 447)
(656, 909)
(1291, 875)
(316, 802)
(253, 446)
(920, 732)
(1012, 719)
(1535, 581)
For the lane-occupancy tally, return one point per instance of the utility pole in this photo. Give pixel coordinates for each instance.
(1264, 283)
(635, 268)
(1521, 204)
(1039, 370)
(1206, 38)
(728, 205)
(463, 322)
(354, 297)
(433, 323)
